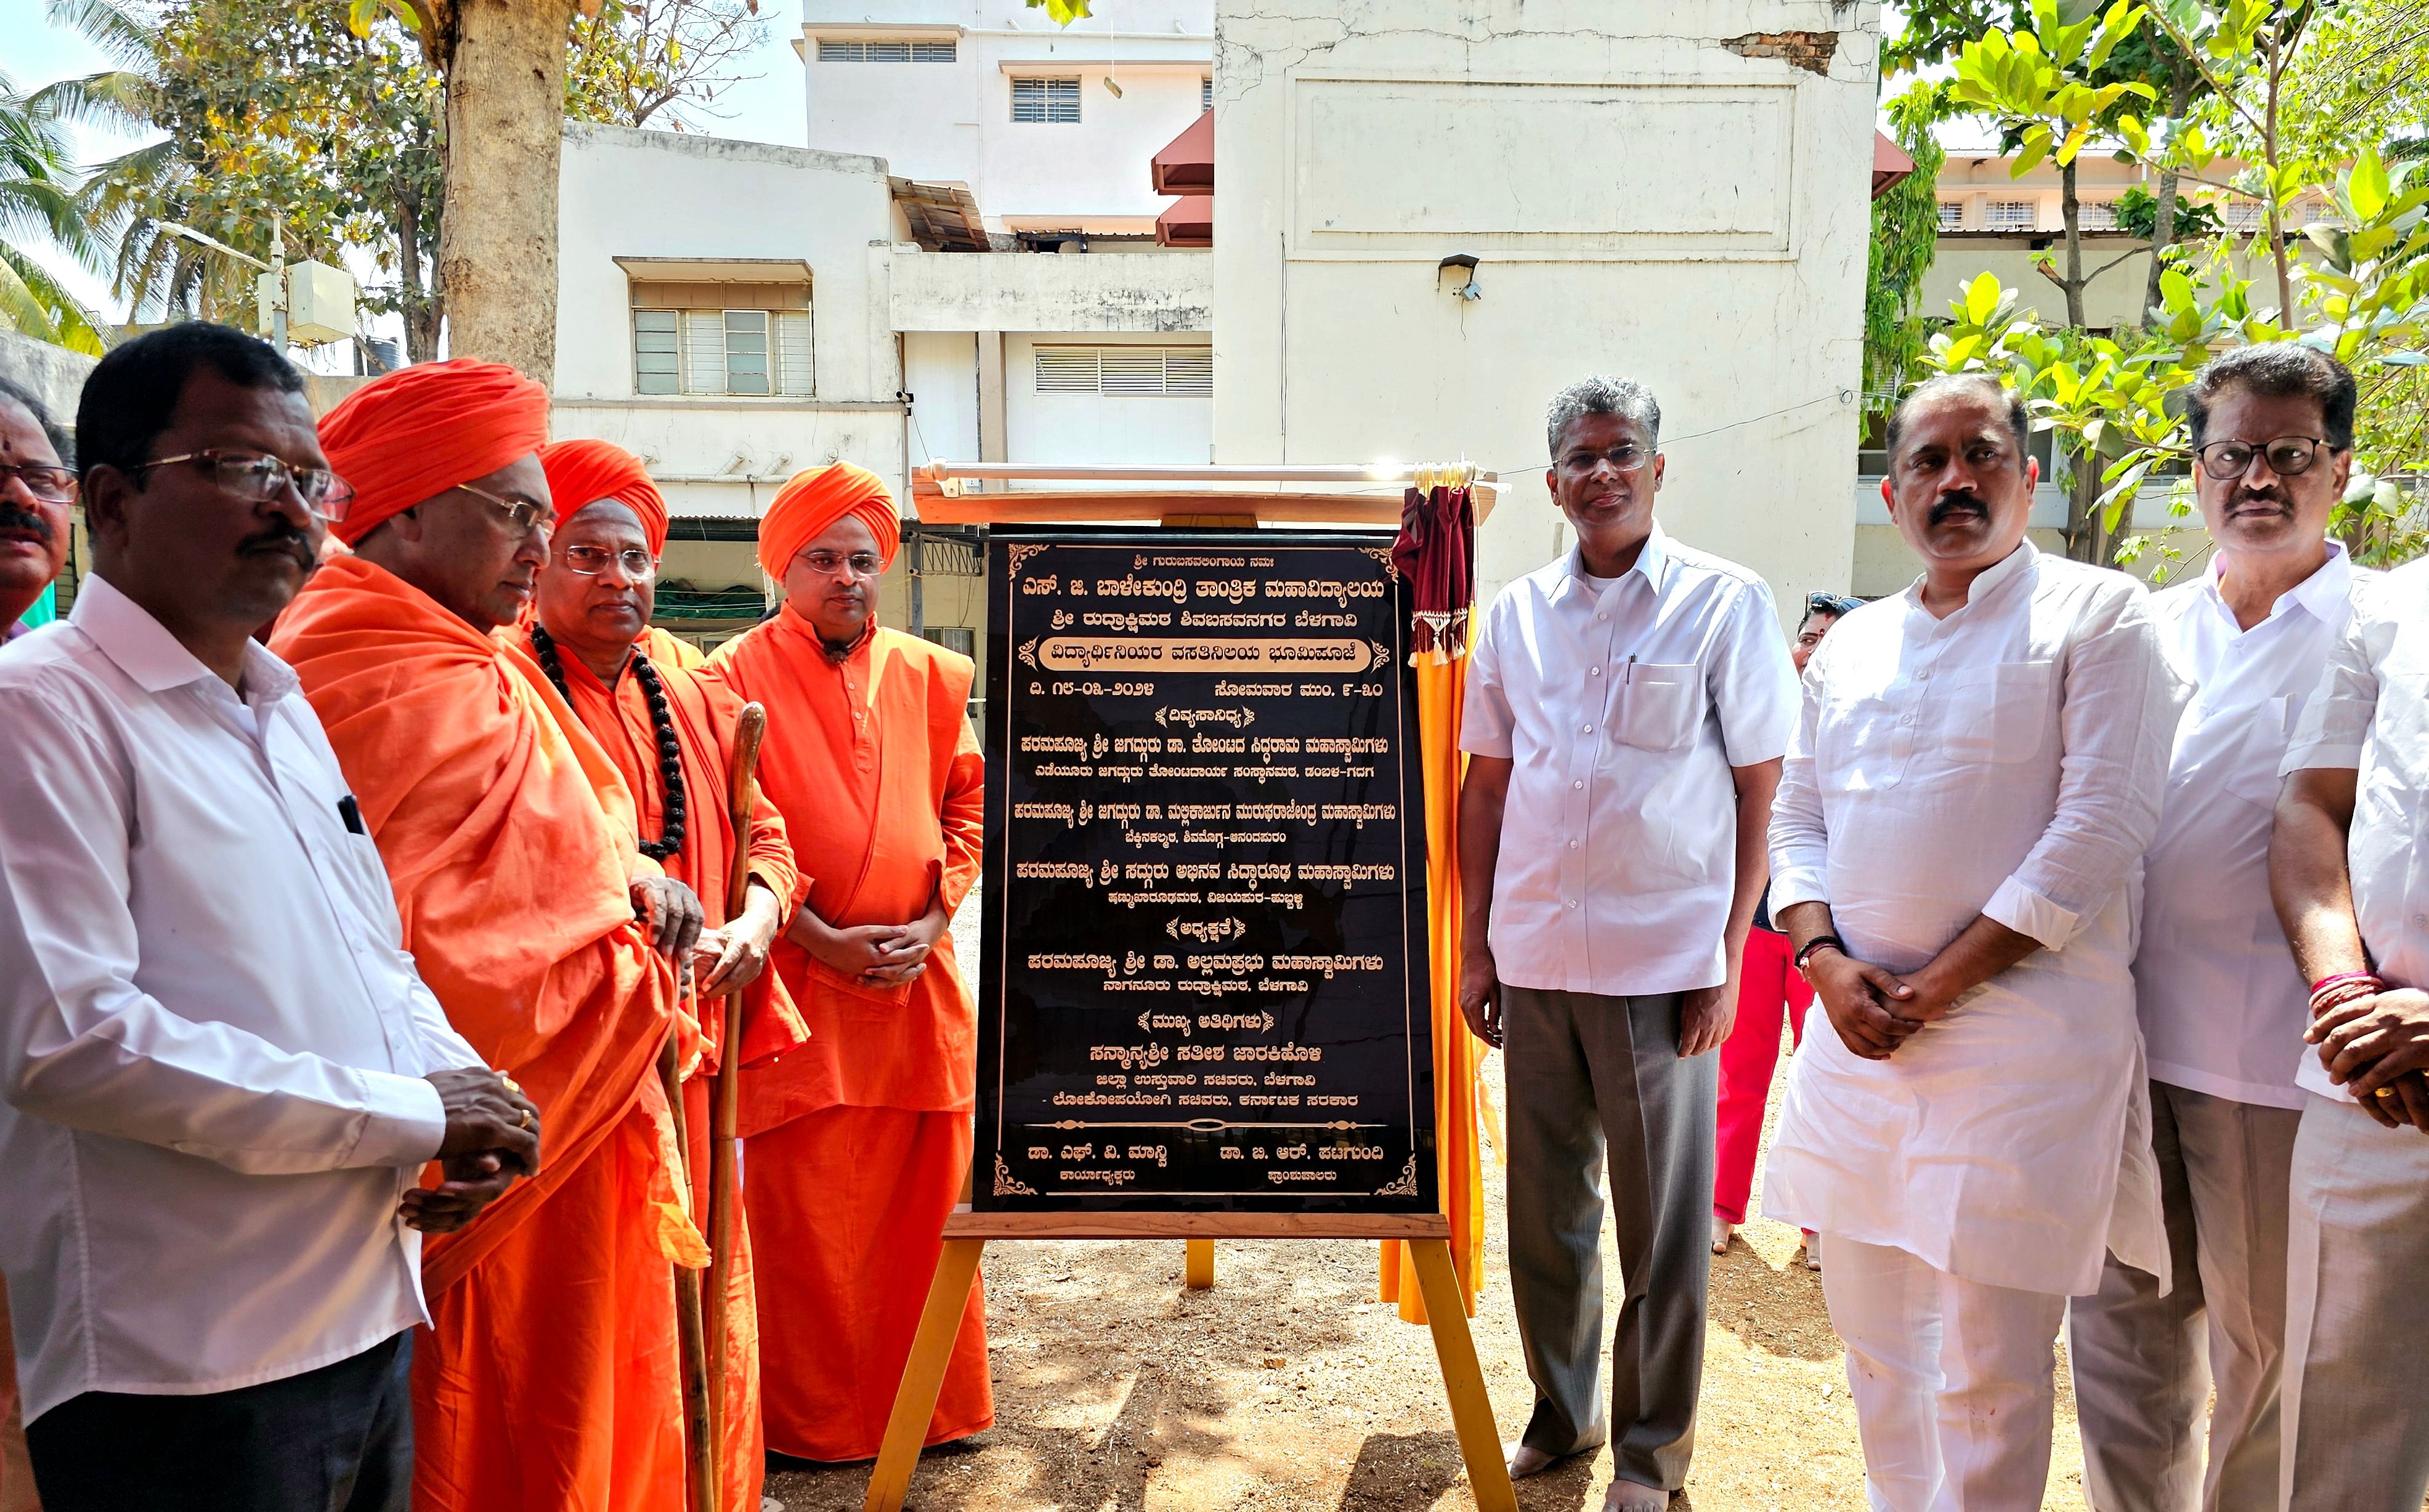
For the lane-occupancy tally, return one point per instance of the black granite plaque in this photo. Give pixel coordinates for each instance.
(1203, 984)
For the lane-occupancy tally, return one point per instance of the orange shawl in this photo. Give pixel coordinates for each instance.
(875, 765)
(505, 831)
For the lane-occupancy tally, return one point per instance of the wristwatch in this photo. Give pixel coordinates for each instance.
(1820, 942)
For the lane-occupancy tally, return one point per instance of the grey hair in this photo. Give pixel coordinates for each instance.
(1601, 395)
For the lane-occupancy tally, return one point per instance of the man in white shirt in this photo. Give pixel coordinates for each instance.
(1626, 709)
(2350, 869)
(1972, 785)
(2223, 1008)
(222, 1076)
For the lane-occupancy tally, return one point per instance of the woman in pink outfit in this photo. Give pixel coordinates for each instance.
(1769, 990)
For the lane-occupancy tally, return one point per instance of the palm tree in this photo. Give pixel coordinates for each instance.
(39, 202)
(126, 200)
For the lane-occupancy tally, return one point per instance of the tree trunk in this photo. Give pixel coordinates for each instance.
(496, 240)
(2163, 223)
(2083, 532)
(422, 309)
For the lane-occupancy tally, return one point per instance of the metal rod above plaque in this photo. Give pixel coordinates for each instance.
(1204, 976)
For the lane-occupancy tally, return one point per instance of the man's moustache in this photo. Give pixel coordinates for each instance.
(288, 540)
(14, 519)
(1953, 502)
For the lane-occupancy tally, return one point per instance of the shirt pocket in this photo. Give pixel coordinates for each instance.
(2261, 750)
(1997, 715)
(1660, 707)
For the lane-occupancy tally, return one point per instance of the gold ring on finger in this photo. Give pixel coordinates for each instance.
(2387, 1091)
(526, 1117)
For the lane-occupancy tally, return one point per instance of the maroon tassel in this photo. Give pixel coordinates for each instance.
(1436, 552)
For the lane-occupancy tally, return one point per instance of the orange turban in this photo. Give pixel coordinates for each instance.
(416, 433)
(581, 473)
(805, 507)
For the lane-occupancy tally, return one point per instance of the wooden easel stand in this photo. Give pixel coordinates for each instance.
(967, 1235)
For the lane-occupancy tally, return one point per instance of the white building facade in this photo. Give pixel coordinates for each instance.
(963, 264)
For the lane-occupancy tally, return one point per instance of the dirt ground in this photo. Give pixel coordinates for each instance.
(1289, 1387)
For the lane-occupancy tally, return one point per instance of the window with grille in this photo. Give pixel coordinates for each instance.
(2014, 215)
(955, 638)
(2244, 215)
(1046, 100)
(832, 51)
(722, 351)
(1952, 213)
(1127, 372)
(2096, 215)
(1206, 92)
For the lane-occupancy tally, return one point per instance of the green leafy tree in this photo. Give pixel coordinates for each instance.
(1905, 233)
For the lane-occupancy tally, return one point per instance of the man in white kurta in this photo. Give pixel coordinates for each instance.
(1955, 851)
(2349, 868)
(2222, 1007)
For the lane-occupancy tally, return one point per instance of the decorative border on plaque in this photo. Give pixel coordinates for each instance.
(1028, 647)
(1381, 553)
(1019, 552)
(1405, 1185)
(1008, 1185)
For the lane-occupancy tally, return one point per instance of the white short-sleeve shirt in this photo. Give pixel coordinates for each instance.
(1623, 708)
(2371, 714)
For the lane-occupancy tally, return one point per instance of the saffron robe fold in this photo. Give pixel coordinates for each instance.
(705, 716)
(547, 1381)
(859, 1142)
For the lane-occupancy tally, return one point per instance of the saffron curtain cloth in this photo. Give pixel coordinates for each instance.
(1436, 552)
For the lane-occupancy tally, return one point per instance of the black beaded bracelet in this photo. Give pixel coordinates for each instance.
(1817, 943)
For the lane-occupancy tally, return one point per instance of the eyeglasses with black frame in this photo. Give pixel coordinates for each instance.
(2289, 456)
(258, 479)
(52, 485)
(592, 560)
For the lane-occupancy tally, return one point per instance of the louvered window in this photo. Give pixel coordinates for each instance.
(723, 352)
(1127, 372)
(656, 361)
(1046, 100)
(1206, 92)
(1952, 213)
(834, 50)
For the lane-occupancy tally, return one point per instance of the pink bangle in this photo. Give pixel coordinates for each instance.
(2327, 982)
(2338, 993)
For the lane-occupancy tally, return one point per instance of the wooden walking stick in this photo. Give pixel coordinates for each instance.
(700, 1440)
(725, 1102)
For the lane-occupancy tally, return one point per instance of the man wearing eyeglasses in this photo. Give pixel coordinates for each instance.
(671, 734)
(859, 1141)
(547, 1379)
(223, 1075)
(1626, 709)
(2222, 1004)
(36, 489)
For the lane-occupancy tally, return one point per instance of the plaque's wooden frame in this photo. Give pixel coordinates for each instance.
(1427, 1234)
(967, 1234)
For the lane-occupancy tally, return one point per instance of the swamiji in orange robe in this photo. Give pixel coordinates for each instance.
(547, 1379)
(632, 687)
(860, 1142)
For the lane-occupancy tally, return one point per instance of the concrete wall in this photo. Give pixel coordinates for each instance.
(53, 374)
(1672, 190)
(952, 122)
(666, 194)
(1092, 428)
(1019, 292)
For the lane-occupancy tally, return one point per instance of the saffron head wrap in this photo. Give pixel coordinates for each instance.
(814, 500)
(412, 434)
(581, 473)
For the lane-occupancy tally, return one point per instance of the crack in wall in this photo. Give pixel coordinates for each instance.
(1808, 50)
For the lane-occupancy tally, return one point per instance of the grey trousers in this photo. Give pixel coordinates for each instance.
(2144, 1364)
(2357, 1309)
(1595, 1079)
